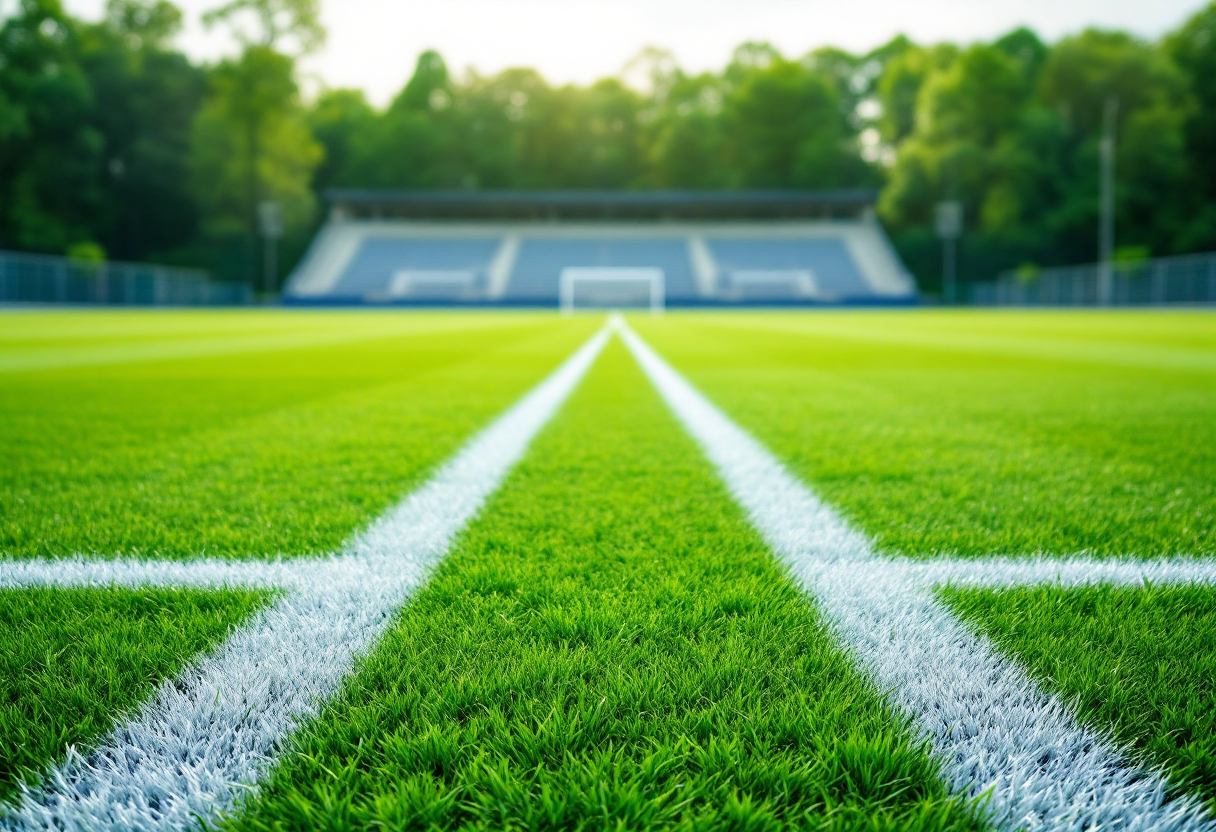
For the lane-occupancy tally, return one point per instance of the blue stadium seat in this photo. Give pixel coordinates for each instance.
(835, 272)
(378, 259)
(540, 261)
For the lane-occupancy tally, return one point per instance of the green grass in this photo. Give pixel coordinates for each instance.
(1140, 663)
(273, 433)
(979, 432)
(609, 647)
(73, 660)
(74, 339)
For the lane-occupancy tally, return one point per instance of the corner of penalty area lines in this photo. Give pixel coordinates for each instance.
(294, 654)
(1024, 752)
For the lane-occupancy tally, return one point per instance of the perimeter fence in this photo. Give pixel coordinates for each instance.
(1187, 279)
(41, 278)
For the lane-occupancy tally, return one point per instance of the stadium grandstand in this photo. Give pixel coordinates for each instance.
(520, 248)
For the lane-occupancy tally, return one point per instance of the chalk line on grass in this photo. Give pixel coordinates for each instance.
(1023, 753)
(1075, 571)
(209, 735)
(200, 573)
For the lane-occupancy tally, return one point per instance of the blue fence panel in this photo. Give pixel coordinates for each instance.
(39, 278)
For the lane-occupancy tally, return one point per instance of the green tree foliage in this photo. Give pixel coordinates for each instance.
(412, 144)
(1193, 50)
(1080, 76)
(51, 149)
(766, 122)
(251, 142)
(1012, 129)
(338, 120)
(272, 23)
(688, 134)
(899, 85)
(147, 96)
(786, 128)
(962, 143)
(94, 127)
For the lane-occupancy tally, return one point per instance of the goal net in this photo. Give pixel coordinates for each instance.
(612, 288)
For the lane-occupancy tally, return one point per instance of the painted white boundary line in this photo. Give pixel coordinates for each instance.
(198, 749)
(202, 573)
(1066, 571)
(994, 730)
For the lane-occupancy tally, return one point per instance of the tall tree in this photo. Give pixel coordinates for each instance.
(150, 96)
(687, 143)
(1080, 77)
(977, 136)
(50, 151)
(337, 120)
(898, 87)
(292, 26)
(414, 143)
(251, 142)
(786, 128)
(256, 96)
(1193, 49)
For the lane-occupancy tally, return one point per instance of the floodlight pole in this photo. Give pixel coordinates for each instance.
(1106, 229)
(950, 267)
(270, 224)
(948, 222)
(271, 264)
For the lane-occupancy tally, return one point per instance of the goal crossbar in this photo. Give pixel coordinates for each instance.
(573, 276)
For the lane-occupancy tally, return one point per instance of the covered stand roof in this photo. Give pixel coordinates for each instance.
(591, 205)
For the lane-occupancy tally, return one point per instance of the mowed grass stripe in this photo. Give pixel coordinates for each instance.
(1175, 340)
(73, 661)
(35, 342)
(252, 455)
(1137, 662)
(944, 449)
(610, 646)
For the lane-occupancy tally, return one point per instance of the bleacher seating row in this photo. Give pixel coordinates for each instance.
(378, 262)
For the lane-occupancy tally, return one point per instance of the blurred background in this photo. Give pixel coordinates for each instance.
(139, 131)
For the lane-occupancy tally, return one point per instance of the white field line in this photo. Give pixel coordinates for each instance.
(201, 746)
(1066, 571)
(202, 573)
(998, 736)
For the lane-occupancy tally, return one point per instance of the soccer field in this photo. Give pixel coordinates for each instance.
(425, 570)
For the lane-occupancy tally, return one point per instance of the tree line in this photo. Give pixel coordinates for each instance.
(115, 144)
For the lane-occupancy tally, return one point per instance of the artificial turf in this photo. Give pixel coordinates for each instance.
(250, 446)
(609, 647)
(974, 432)
(1139, 663)
(72, 661)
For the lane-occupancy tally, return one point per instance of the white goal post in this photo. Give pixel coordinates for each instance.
(613, 285)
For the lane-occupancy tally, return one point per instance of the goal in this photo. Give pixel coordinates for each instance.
(612, 288)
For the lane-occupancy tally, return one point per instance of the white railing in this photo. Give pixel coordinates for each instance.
(1187, 279)
(40, 278)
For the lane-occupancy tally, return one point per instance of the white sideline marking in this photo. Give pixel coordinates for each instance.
(210, 735)
(202, 573)
(1066, 571)
(995, 731)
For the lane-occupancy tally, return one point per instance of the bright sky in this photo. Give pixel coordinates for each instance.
(373, 43)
